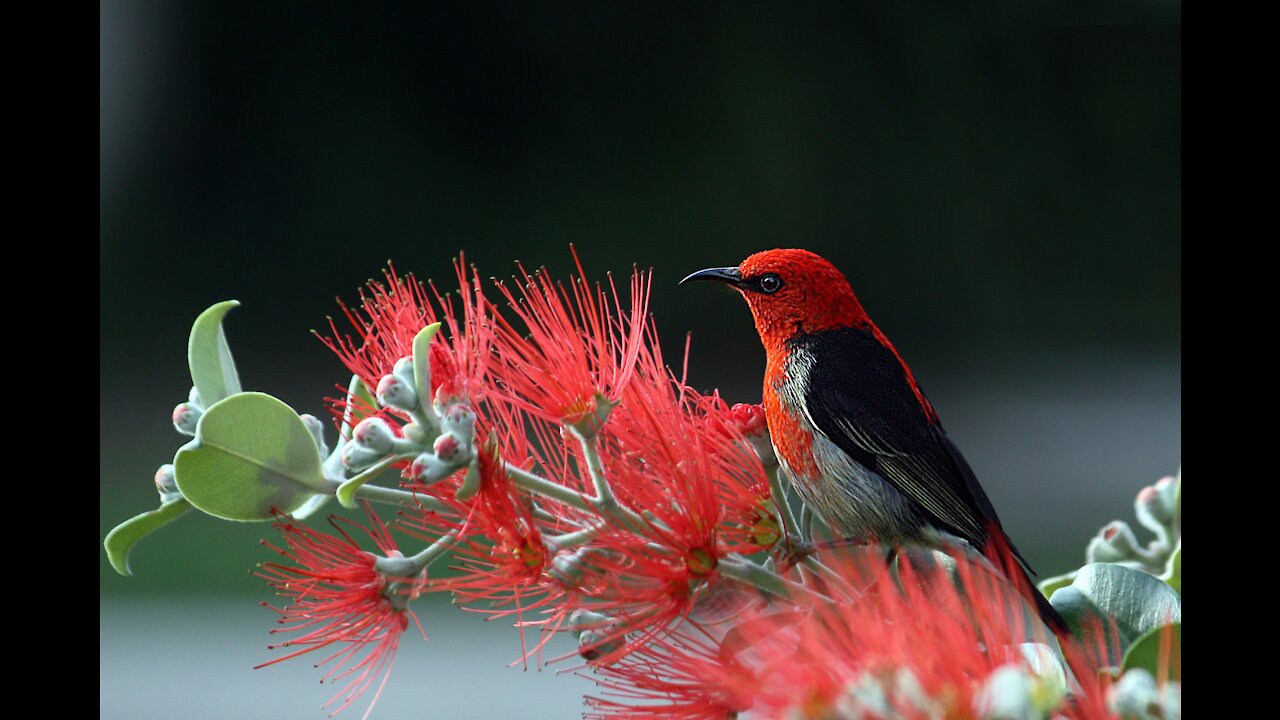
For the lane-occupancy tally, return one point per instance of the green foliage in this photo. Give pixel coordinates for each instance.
(1120, 601)
(252, 456)
(1158, 650)
(213, 371)
(422, 364)
(123, 537)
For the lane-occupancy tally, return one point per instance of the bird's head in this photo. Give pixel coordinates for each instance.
(790, 292)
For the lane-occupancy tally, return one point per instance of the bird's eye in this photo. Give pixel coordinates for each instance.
(770, 283)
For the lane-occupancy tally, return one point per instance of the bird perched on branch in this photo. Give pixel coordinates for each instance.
(850, 426)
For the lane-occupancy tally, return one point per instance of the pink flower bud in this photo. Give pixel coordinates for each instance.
(1115, 542)
(167, 483)
(375, 434)
(185, 417)
(447, 446)
(395, 392)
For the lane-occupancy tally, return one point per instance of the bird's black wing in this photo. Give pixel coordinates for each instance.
(859, 396)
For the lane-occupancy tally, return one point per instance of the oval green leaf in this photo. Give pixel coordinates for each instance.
(213, 371)
(422, 365)
(1122, 602)
(1158, 651)
(252, 456)
(122, 538)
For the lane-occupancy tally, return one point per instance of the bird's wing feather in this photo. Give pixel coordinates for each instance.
(859, 397)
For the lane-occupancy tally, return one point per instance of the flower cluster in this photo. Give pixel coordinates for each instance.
(536, 440)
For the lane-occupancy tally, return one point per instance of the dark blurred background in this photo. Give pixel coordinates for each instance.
(1003, 189)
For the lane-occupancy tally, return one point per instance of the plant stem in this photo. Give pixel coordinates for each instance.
(541, 486)
(395, 496)
(739, 568)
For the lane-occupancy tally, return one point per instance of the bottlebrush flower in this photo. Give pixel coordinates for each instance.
(921, 646)
(341, 604)
(389, 317)
(677, 676)
(576, 348)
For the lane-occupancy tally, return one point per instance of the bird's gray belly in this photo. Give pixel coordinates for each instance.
(853, 500)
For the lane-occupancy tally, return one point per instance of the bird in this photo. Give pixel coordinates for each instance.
(851, 427)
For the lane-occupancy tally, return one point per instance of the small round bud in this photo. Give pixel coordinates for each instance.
(447, 447)
(167, 484)
(193, 397)
(1136, 695)
(1115, 542)
(597, 633)
(1154, 505)
(427, 469)
(395, 392)
(568, 569)
(375, 434)
(414, 433)
(459, 419)
(185, 417)
(357, 457)
(316, 428)
(1008, 694)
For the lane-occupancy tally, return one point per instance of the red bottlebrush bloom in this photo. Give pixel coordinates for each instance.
(505, 556)
(678, 676)
(919, 647)
(340, 604)
(391, 314)
(575, 346)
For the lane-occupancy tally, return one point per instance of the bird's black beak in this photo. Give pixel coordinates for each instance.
(728, 275)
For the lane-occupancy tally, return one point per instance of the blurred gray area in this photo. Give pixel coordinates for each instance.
(195, 660)
(1003, 191)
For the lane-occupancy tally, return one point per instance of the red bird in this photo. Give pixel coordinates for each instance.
(850, 425)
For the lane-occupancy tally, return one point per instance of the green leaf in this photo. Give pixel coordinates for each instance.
(422, 364)
(213, 372)
(1146, 652)
(122, 537)
(252, 455)
(1049, 586)
(358, 398)
(311, 507)
(347, 490)
(1173, 569)
(1122, 602)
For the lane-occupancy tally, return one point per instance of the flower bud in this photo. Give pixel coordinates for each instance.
(459, 419)
(427, 469)
(357, 457)
(185, 417)
(1008, 694)
(1136, 695)
(375, 434)
(167, 484)
(414, 433)
(1115, 542)
(597, 634)
(568, 569)
(395, 392)
(193, 398)
(316, 428)
(447, 447)
(1154, 505)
